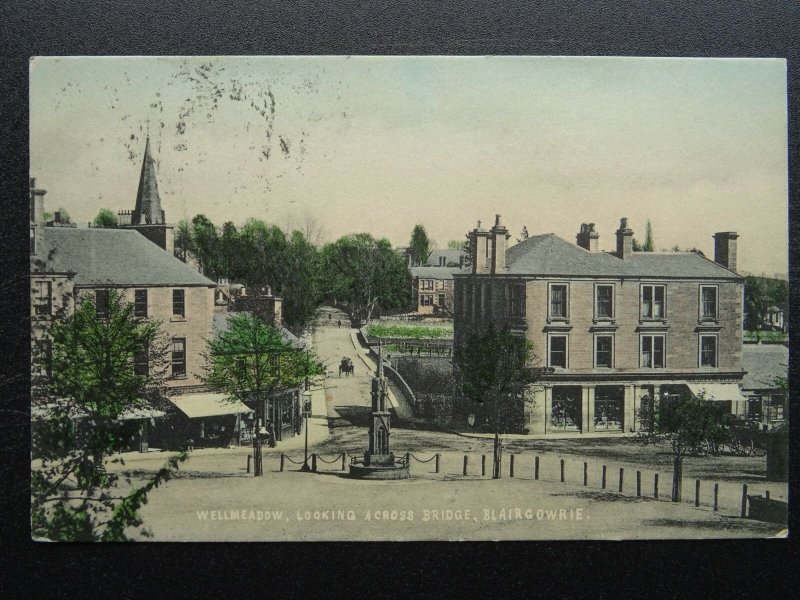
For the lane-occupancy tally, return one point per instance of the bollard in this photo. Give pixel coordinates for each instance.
(282, 459)
(465, 464)
(621, 475)
(603, 485)
(655, 486)
(483, 465)
(536, 468)
(249, 458)
(766, 494)
(744, 500)
(344, 454)
(511, 467)
(638, 484)
(697, 492)
(562, 470)
(716, 497)
(314, 462)
(585, 473)
(437, 462)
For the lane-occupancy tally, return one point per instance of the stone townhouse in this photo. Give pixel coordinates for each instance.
(432, 283)
(616, 331)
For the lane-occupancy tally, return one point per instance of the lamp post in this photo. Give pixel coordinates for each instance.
(306, 413)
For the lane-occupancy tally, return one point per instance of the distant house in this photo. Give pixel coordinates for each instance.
(764, 364)
(432, 283)
(774, 319)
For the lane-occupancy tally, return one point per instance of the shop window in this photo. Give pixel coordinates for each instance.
(566, 408)
(609, 404)
(653, 305)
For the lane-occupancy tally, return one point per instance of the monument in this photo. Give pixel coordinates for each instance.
(379, 462)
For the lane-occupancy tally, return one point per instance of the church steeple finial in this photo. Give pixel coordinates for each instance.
(148, 202)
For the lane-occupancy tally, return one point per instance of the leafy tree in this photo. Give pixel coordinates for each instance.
(691, 424)
(92, 382)
(205, 245)
(183, 240)
(64, 215)
(760, 294)
(419, 246)
(251, 361)
(494, 368)
(105, 218)
(301, 290)
(456, 245)
(365, 274)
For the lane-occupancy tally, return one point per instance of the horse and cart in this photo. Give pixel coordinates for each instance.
(739, 438)
(346, 367)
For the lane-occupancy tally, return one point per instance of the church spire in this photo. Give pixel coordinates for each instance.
(148, 203)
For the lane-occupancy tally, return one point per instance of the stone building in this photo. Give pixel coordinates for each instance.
(432, 283)
(617, 331)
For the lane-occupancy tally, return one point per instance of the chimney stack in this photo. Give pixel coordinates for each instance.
(725, 249)
(624, 239)
(479, 249)
(499, 242)
(588, 238)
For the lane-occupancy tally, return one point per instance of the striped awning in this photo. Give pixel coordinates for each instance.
(208, 405)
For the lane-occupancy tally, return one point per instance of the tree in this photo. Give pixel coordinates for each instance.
(649, 243)
(456, 245)
(205, 245)
(64, 215)
(251, 362)
(365, 274)
(93, 382)
(494, 368)
(691, 424)
(760, 294)
(419, 246)
(105, 218)
(183, 240)
(301, 290)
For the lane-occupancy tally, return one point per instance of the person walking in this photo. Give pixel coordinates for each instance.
(270, 434)
(339, 323)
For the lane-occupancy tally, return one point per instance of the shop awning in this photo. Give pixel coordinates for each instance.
(717, 391)
(208, 405)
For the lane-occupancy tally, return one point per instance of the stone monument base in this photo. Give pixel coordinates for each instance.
(379, 466)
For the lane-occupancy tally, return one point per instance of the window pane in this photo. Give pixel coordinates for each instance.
(658, 301)
(709, 308)
(558, 304)
(558, 351)
(604, 352)
(708, 351)
(647, 351)
(658, 351)
(647, 301)
(101, 303)
(604, 300)
(140, 303)
(177, 303)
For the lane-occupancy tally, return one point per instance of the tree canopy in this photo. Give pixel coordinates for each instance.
(105, 218)
(420, 246)
(760, 294)
(95, 377)
(494, 368)
(365, 274)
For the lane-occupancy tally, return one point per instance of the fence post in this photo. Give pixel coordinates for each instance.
(408, 458)
(655, 486)
(716, 497)
(511, 466)
(282, 459)
(585, 473)
(344, 455)
(562, 470)
(621, 475)
(465, 464)
(437, 462)
(604, 477)
(697, 492)
(744, 500)
(638, 484)
(766, 494)
(483, 465)
(249, 458)
(314, 462)
(536, 468)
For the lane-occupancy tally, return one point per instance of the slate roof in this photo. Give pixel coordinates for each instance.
(451, 256)
(434, 272)
(118, 257)
(548, 254)
(763, 363)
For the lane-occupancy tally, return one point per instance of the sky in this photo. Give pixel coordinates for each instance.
(379, 144)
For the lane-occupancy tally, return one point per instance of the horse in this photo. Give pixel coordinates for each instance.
(346, 367)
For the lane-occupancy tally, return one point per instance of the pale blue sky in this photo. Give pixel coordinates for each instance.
(379, 144)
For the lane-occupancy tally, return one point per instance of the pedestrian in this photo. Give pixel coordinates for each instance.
(270, 434)
(189, 444)
(339, 323)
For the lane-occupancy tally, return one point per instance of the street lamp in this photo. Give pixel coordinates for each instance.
(306, 413)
